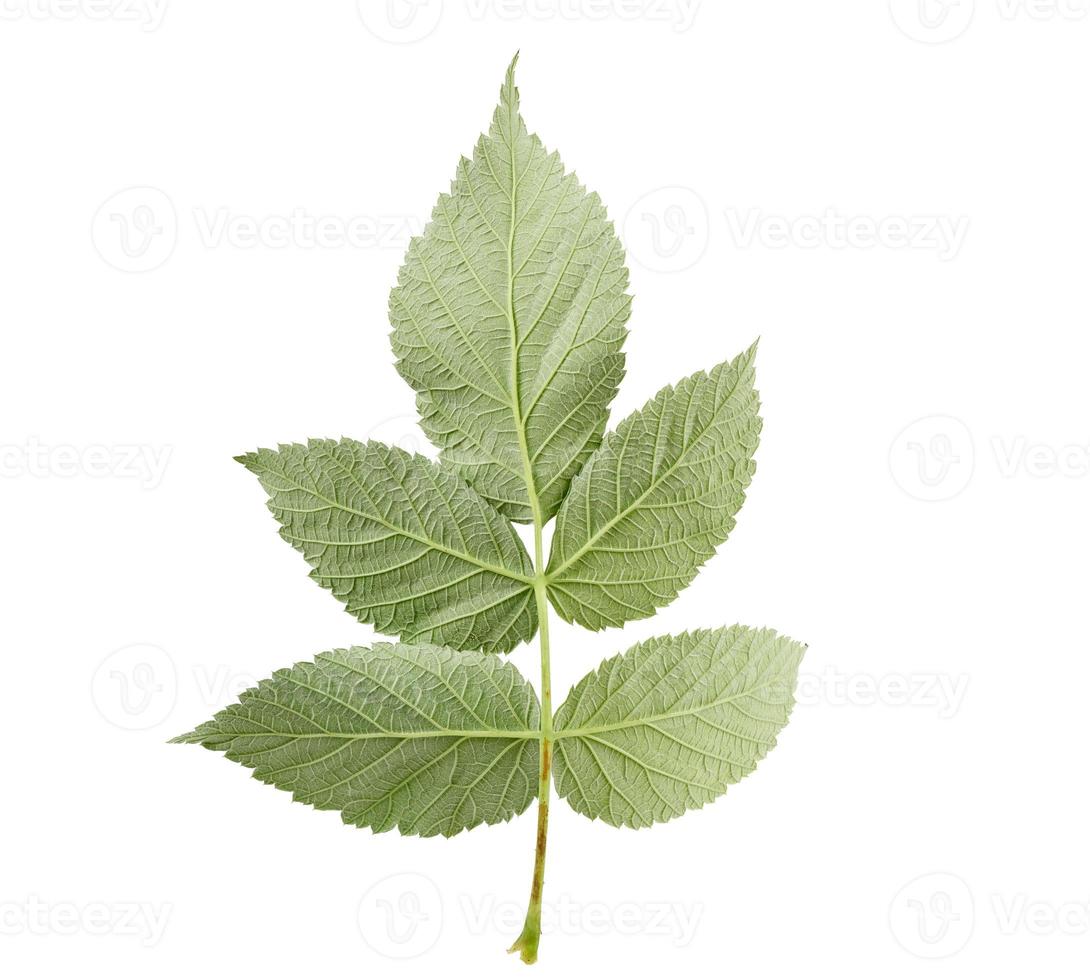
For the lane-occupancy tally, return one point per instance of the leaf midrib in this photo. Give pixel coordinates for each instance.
(666, 716)
(515, 735)
(454, 552)
(516, 398)
(621, 515)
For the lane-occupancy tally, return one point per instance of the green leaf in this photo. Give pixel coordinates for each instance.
(656, 499)
(669, 725)
(401, 542)
(508, 317)
(418, 737)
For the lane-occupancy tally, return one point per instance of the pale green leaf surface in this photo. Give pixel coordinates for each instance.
(508, 317)
(403, 543)
(418, 737)
(667, 726)
(656, 499)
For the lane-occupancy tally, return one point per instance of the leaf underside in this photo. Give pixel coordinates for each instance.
(508, 321)
(656, 499)
(508, 317)
(667, 726)
(422, 738)
(403, 543)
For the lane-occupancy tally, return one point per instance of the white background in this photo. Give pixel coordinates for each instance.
(928, 798)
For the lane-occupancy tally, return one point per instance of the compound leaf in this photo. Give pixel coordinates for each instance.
(418, 737)
(667, 726)
(508, 317)
(656, 498)
(403, 543)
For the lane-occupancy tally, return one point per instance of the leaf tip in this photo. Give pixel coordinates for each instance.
(249, 460)
(509, 94)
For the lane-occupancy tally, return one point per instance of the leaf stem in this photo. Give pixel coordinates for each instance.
(527, 942)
